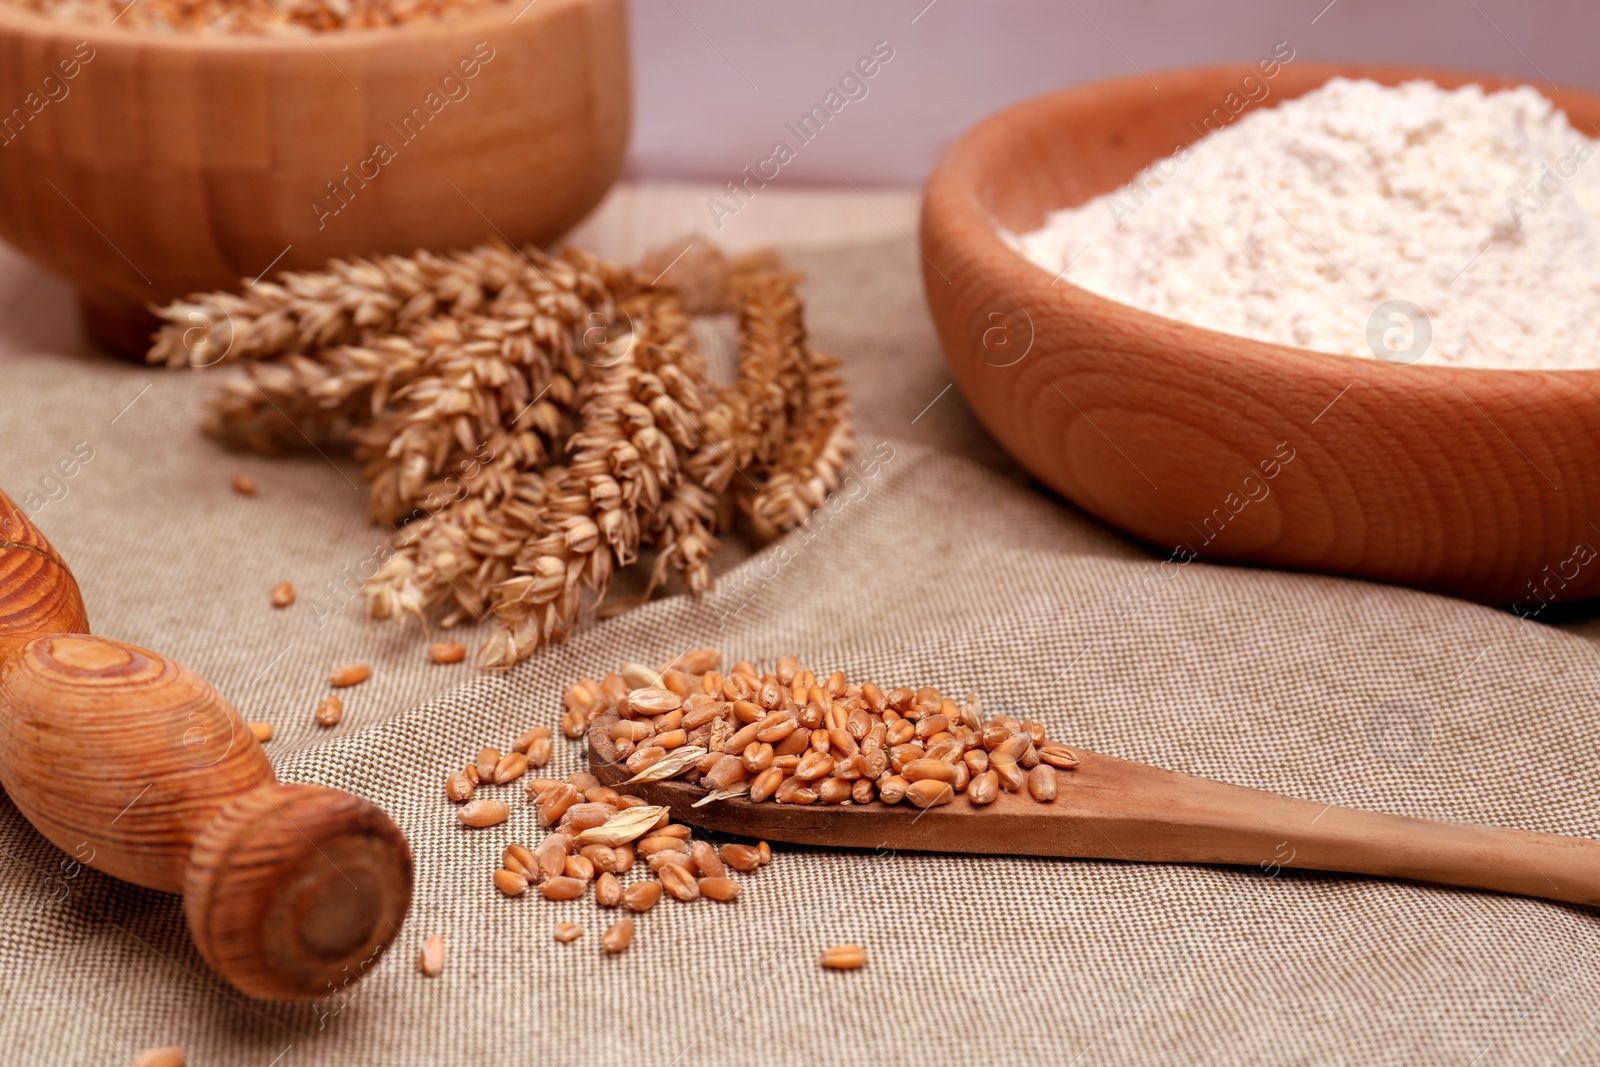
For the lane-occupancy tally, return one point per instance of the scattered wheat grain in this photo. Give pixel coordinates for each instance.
(430, 961)
(349, 674)
(618, 937)
(844, 958)
(562, 888)
(459, 787)
(718, 888)
(510, 883)
(330, 711)
(481, 813)
(169, 1056)
(447, 652)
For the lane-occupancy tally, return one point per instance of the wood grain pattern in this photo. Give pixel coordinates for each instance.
(37, 590)
(179, 163)
(1476, 483)
(1113, 809)
(136, 766)
(159, 753)
(297, 890)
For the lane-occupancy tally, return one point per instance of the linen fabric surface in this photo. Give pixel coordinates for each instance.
(939, 563)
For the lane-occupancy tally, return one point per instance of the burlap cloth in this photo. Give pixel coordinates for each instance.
(945, 566)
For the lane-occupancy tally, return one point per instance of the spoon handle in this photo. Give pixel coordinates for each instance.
(1139, 812)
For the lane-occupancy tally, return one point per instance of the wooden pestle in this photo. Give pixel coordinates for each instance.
(137, 767)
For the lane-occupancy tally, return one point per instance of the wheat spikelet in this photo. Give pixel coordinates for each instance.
(530, 423)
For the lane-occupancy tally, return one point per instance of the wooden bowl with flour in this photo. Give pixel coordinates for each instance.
(1483, 484)
(161, 164)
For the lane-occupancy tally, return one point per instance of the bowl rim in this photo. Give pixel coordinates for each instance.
(23, 22)
(950, 187)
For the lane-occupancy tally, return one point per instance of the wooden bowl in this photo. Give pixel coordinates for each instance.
(1477, 483)
(176, 163)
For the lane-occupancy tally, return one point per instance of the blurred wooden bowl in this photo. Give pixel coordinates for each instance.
(178, 163)
(1482, 484)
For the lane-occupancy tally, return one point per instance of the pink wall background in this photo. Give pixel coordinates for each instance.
(717, 79)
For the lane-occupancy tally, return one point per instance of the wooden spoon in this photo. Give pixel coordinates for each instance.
(1108, 808)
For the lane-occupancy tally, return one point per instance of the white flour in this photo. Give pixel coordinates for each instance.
(1295, 223)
